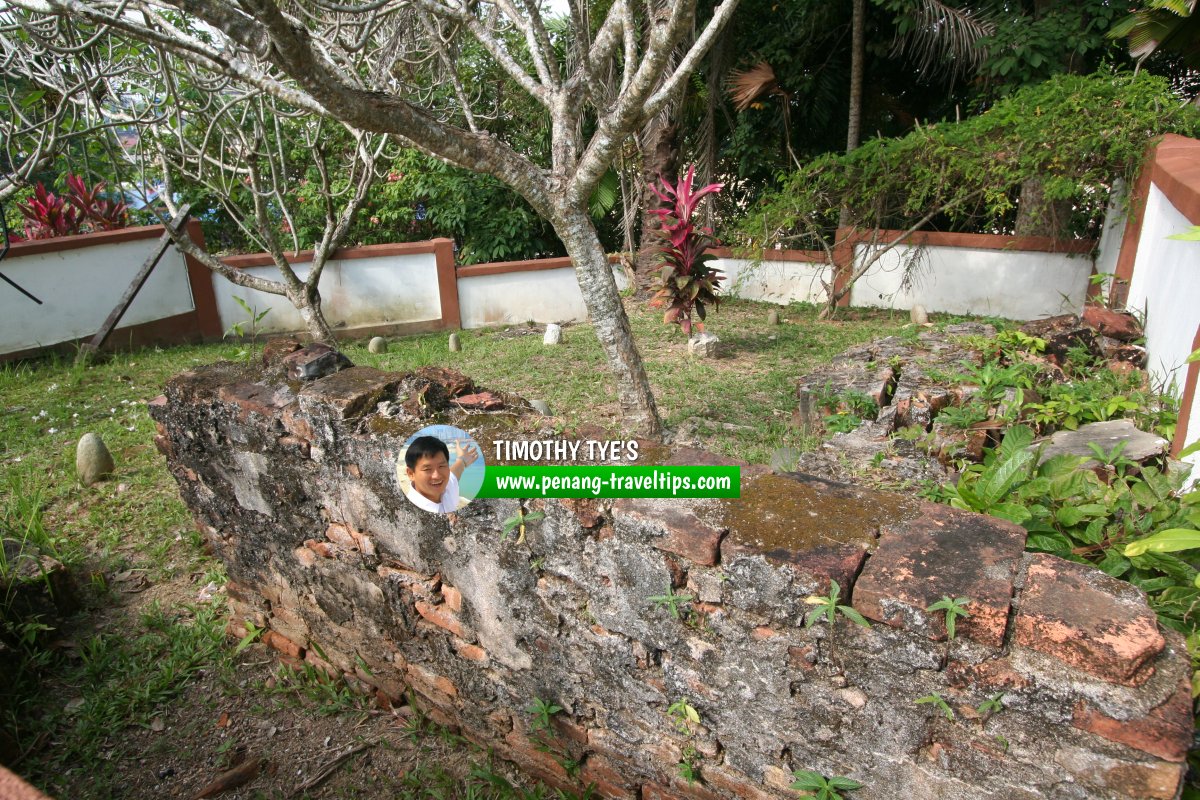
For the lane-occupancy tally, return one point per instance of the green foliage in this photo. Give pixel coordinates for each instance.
(963, 416)
(954, 607)
(991, 706)
(671, 601)
(827, 607)
(1075, 133)
(1190, 235)
(518, 521)
(841, 423)
(238, 329)
(935, 699)
(684, 714)
(1026, 48)
(542, 712)
(822, 788)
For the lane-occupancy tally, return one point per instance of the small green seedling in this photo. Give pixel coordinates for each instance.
(990, 706)
(684, 713)
(823, 788)
(828, 608)
(671, 600)
(954, 607)
(250, 638)
(518, 520)
(936, 699)
(541, 712)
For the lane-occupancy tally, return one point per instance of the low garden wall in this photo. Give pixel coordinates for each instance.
(294, 487)
(1013, 277)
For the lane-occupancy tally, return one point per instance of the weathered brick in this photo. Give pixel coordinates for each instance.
(568, 730)
(730, 782)
(323, 549)
(251, 398)
(351, 392)
(1118, 325)
(311, 657)
(290, 442)
(1165, 732)
(682, 527)
(306, 556)
(526, 752)
(763, 632)
(452, 597)
(470, 652)
(339, 533)
(1152, 780)
(1095, 623)
(275, 349)
(943, 552)
(608, 777)
(584, 509)
(431, 684)
(163, 445)
(423, 586)
(991, 675)
(441, 617)
(278, 641)
(678, 790)
(295, 422)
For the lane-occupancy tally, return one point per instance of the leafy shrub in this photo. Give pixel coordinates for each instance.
(685, 282)
(80, 210)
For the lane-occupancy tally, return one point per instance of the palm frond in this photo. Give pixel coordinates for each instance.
(942, 38)
(747, 85)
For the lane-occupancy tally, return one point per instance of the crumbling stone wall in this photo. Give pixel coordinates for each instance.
(294, 485)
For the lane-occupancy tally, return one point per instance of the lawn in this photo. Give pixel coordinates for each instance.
(141, 695)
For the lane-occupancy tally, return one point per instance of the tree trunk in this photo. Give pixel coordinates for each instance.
(308, 302)
(858, 27)
(599, 289)
(1037, 216)
(660, 159)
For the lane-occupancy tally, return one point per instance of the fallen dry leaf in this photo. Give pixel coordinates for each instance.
(231, 779)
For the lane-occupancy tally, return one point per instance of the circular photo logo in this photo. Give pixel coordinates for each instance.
(440, 468)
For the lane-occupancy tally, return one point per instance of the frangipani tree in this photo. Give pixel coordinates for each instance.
(404, 67)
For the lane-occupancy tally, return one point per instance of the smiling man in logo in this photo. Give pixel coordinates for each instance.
(434, 481)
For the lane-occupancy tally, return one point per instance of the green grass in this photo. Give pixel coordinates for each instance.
(753, 385)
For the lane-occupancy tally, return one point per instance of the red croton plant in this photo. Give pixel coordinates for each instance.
(81, 210)
(686, 282)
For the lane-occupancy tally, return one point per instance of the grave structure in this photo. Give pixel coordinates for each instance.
(293, 484)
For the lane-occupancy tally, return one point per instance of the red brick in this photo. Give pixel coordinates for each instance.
(284, 645)
(608, 777)
(275, 349)
(568, 730)
(295, 423)
(661, 751)
(543, 765)
(364, 543)
(323, 549)
(678, 790)
(1165, 732)
(250, 398)
(353, 470)
(453, 598)
(163, 445)
(439, 616)
(943, 552)
(801, 657)
(339, 533)
(350, 392)
(423, 680)
(311, 657)
(306, 556)
(487, 401)
(158, 402)
(425, 586)
(1116, 324)
(763, 632)
(1084, 618)
(470, 652)
(731, 782)
(680, 526)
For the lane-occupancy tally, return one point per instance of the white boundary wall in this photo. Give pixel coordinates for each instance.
(79, 289)
(510, 298)
(1166, 288)
(1011, 284)
(358, 292)
(775, 281)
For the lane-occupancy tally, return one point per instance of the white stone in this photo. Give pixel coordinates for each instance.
(703, 345)
(455, 343)
(92, 459)
(918, 315)
(553, 334)
(377, 345)
(772, 317)
(541, 407)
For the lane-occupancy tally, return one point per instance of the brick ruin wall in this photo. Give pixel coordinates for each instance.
(294, 485)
